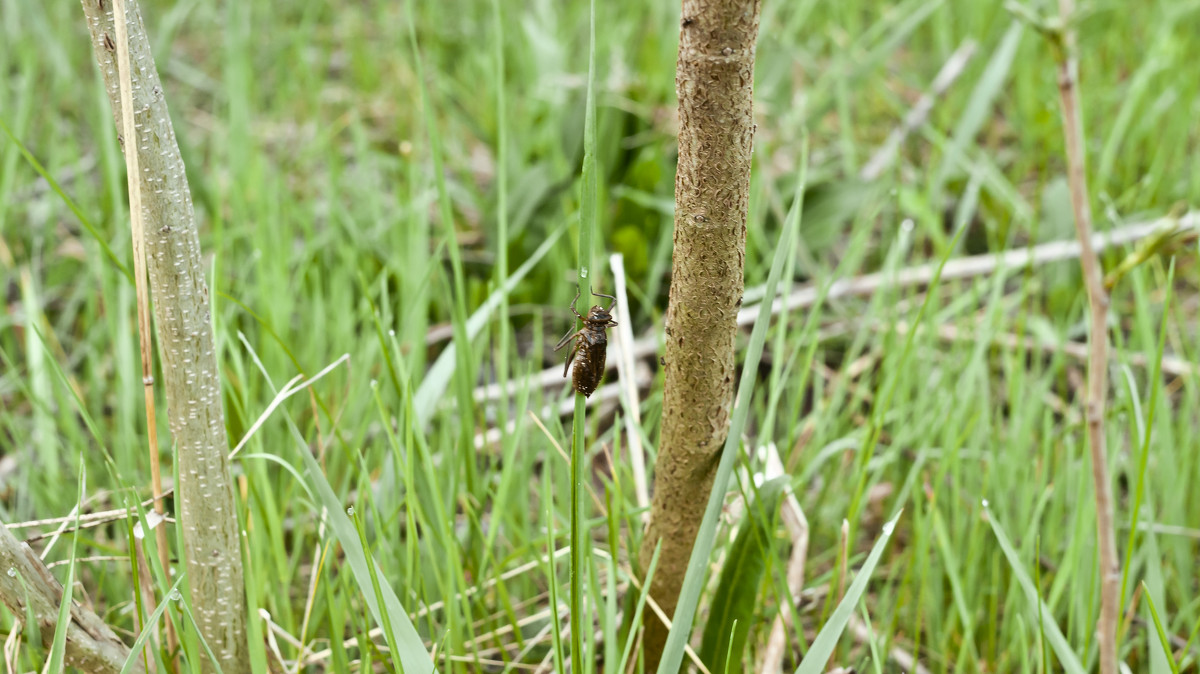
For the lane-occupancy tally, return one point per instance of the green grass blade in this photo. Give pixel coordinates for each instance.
(736, 600)
(83, 219)
(983, 97)
(637, 611)
(587, 225)
(411, 656)
(149, 628)
(58, 646)
(689, 596)
(552, 575)
(434, 385)
(1155, 385)
(1066, 655)
(1163, 641)
(822, 647)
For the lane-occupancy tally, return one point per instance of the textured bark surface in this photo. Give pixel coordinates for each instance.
(91, 645)
(714, 80)
(204, 503)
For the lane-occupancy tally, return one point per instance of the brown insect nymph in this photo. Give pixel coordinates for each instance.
(591, 344)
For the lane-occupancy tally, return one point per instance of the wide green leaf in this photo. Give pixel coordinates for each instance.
(736, 600)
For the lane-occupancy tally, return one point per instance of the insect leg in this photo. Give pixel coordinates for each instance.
(573, 306)
(609, 297)
(570, 357)
(567, 338)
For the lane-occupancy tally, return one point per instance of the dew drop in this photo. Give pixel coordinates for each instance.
(175, 595)
(374, 383)
(12, 572)
(583, 272)
(907, 225)
(985, 503)
(350, 511)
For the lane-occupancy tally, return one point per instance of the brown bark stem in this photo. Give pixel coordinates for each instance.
(205, 503)
(1097, 362)
(715, 83)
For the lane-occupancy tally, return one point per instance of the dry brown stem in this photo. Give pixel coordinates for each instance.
(143, 294)
(1098, 302)
(714, 79)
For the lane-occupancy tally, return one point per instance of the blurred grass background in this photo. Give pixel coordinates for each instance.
(313, 174)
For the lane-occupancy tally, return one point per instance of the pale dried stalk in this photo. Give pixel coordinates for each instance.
(797, 527)
(182, 312)
(625, 366)
(971, 266)
(91, 645)
(143, 299)
(1098, 302)
(950, 72)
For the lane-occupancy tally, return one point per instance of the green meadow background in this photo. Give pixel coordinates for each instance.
(333, 191)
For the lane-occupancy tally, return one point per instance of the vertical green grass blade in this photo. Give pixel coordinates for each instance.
(58, 647)
(1155, 385)
(587, 225)
(502, 354)
(1163, 641)
(552, 574)
(636, 623)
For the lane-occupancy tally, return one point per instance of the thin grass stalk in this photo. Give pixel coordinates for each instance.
(587, 223)
(137, 226)
(501, 207)
(1097, 362)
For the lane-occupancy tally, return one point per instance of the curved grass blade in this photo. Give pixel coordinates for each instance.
(1066, 655)
(135, 651)
(822, 647)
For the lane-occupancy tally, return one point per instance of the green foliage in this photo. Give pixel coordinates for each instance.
(735, 602)
(313, 166)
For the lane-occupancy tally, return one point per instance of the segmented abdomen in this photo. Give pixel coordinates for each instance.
(589, 361)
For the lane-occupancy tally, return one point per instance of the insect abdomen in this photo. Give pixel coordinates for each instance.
(589, 361)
